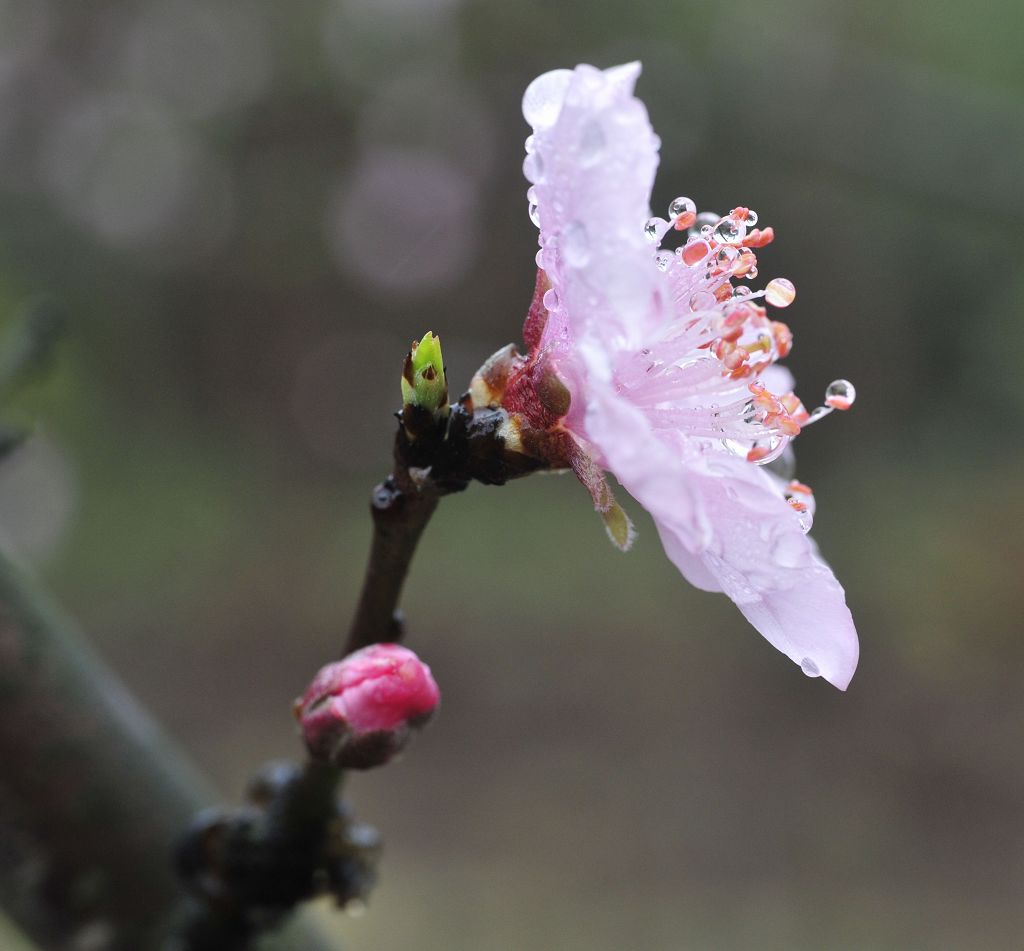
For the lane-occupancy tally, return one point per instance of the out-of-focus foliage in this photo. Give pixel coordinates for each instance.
(250, 208)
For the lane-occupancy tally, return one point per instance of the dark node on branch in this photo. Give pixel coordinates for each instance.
(246, 868)
(470, 448)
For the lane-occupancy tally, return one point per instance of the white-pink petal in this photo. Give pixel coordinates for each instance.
(754, 550)
(592, 159)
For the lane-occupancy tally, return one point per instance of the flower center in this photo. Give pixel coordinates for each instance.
(707, 372)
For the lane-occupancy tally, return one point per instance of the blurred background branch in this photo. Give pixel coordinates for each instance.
(93, 793)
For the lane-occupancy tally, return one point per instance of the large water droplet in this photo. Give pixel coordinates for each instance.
(655, 229)
(575, 244)
(751, 218)
(840, 394)
(809, 667)
(681, 206)
(542, 101)
(663, 259)
(550, 299)
(534, 214)
(729, 231)
(767, 449)
(780, 292)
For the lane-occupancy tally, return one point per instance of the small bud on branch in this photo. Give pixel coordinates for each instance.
(359, 712)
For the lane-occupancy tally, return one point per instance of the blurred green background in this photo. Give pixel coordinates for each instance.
(248, 209)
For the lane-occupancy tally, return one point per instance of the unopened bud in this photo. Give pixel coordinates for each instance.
(360, 711)
(423, 380)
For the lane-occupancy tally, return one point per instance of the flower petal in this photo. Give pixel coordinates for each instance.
(592, 160)
(726, 526)
(757, 554)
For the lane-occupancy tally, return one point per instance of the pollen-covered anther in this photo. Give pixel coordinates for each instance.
(783, 338)
(799, 487)
(786, 425)
(695, 251)
(745, 262)
(765, 399)
(685, 220)
(734, 358)
(795, 408)
(758, 238)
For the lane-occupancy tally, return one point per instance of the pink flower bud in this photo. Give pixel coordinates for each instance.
(358, 712)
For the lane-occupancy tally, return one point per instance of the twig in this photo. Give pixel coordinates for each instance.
(401, 511)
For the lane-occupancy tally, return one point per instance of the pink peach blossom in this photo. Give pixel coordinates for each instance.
(669, 364)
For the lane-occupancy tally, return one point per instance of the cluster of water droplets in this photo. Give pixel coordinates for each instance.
(730, 322)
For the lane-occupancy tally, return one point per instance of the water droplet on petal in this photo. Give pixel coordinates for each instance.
(840, 394)
(534, 214)
(542, 101)
(788, 550)
(663, 259)
(809, 667)
(550, 299)
(780, 292)
(751, 218)
(575, 244)
(533, 168)
(530, 144)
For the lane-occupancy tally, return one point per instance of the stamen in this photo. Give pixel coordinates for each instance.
(839, 394)
(758, 238)
(727, 343)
